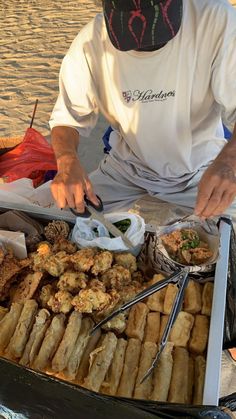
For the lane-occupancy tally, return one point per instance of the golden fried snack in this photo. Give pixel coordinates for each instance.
(61, 302)
(91, 299)
(44, 251)
(3, 312)
(112, 378)
(181, 330)
(116, 277)
(170, 295)
(18, 340)
(207, 297)
(130, 369)
(156, 301)
(148, 353)
(50, 343)
(67, 344)
(37, 334)
(8, 325)
(102, 262)
(178, 392)
(84, 364)
(78, 350)
(56, 264)
(193, 297)
(46, 293)
(152, 329)
(83, 260)
(26, 289)
(191, 380)
(117, 324)
(200, 369)
(65, 245)
(199, 336)
(9, 267)
(164, 320)
(137, 321)
(72, 281)
(101, 362)
(127, 260)
(162, 374)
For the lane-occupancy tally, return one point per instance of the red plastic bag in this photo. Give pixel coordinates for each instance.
(30, 159)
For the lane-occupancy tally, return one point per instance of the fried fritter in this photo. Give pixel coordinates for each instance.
(102, 262)
(65, 245)
(83, 260)
(89, 300)
(72, 281)
(61, 302)
(46, 293)
(96, 284)
(44, 251)
(2, 255)
(56, 264)
(130, 291)
(9, 267)
(127, 260)
(116, 277)
(108, 309)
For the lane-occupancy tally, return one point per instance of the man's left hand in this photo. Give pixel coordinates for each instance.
(216, 190)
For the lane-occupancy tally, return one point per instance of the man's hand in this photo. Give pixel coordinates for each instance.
(216, 190)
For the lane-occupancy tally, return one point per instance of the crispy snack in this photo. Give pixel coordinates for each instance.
(67, 344)
(89, 300)
(178, 392)
(112, 379)
(46, 293)
(199, 337)
(56, 264)
(156, 301)
(170, 295)
(164, 320)
(117, 324)
(26, 289)
(207, 296)
(116, 277)
(200, 369)
(162, 375)
(137, 321)
(78, 350)
(84, 364)
(180, 332)
(8, 325)
(50, 343)
(191, 379)
(61, 302)
(101, 363)
(130, 369)
(148, 353)
(17, 343)
(130, 291)
(72, 281)
(102, 262)
(65, 245)
(37, 334)
(3, 312)
(193, 297)
(127, 260)
(39, 258)
(152, 329)
(83, 260)
(9, 267)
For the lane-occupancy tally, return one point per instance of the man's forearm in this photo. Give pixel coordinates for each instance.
(65, 141)
(228, 154)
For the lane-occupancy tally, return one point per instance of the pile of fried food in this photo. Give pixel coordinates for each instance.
(51, 300)
(185, 246)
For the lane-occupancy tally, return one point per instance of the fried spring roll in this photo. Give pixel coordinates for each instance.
(152, 329)
(37, 334)
(156, 301)
(67, 344)
(162, 375)
(18, 340)
(27, 287)
(101, 363)
(50, 343)
(137, 321)
(199, 337)
(84, 364)
(3, 312)
(207, 296)
(130, 369)
(178, 392)
(148, 353)
(8, 325)
(190, 380)
(200, 369)
(112, 378)
(170, 295)
(80, 345)
(193, 297)
(164, 320)
(180, 332)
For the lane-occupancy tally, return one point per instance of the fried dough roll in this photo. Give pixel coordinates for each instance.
(152, 329)
(80, 345)
(178, 392)
(37, 334)
(207, 296)
(17, 343)
(27, 287)
(50, 343)
(162, 375)
(193, 297)
(199, 337)
(67, 344)
(180, 332)
(112, 378)
(8, 325)
(164, 320)
(148, 353)
(200, 369)
(130, 370)
(3, 312)
(84, 364)
(190, 380)
(156, 301)
(101, 362)
(170, 295)
(137, 321)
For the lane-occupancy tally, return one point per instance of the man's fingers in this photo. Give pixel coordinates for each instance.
(225, 202)
(213, 203)
(79, 198)
(58, 195)
(90, 192)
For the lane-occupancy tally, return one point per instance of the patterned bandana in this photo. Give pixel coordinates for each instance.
(140, 24)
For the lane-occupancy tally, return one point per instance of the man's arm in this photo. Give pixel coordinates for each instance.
(217, 187)
(71, 182)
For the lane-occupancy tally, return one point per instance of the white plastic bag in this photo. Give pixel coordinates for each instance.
(83, 233)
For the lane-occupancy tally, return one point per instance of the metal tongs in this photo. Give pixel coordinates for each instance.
(181, 279)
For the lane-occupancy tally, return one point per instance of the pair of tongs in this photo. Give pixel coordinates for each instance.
(180, 278)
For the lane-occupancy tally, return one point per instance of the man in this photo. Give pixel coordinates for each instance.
(163, 73)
